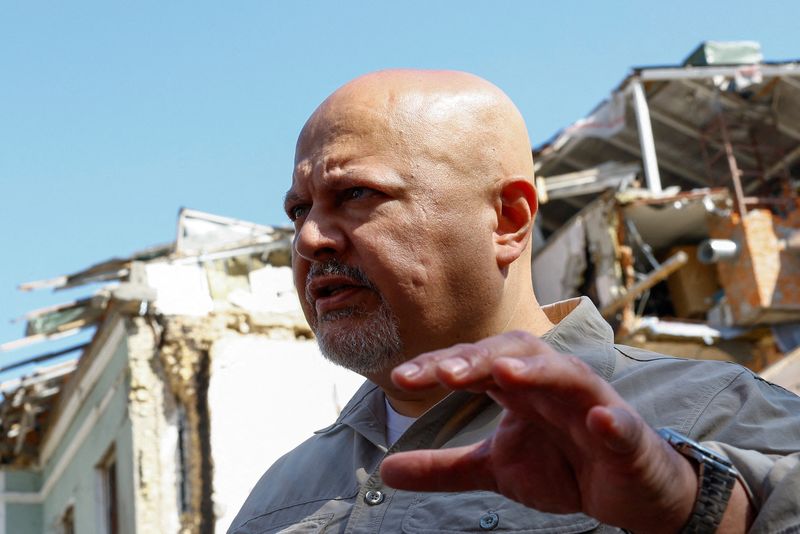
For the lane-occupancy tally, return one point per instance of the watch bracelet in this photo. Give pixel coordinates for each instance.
(716, 479)
(713, 494)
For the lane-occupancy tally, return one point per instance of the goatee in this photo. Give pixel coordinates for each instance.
(370, 342)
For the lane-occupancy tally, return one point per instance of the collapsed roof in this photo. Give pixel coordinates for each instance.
(215, 262)
(687, 174)
(686, 125)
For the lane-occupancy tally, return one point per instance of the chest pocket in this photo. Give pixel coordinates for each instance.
(267, 525)
(484, 511)
(309, 525)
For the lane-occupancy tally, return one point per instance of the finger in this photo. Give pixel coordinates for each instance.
(422, 372)
(467, 365)
(562, 377)
(456, 469)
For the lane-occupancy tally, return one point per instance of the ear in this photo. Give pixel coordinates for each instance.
(516, 206)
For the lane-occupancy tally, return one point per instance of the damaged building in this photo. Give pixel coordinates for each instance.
(674, 206)
(200, 372)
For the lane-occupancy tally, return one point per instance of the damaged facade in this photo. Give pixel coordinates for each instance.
(674, 206)
(200, 373)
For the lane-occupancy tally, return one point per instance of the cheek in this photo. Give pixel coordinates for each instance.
(397, 258)
(299, 272)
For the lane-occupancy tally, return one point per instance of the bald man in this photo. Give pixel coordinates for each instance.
(413, 203)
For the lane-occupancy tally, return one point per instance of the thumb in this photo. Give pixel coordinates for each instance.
(619, 429)
(457, 469)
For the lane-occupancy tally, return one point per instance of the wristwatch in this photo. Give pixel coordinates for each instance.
(717, 476)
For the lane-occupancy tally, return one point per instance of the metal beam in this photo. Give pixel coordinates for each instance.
(558, 152)
(787, 160)
(789, 80)
(702, 73)
(789, 131)
(667, 164)
(646, 141)
(730, 102)
(690, 131)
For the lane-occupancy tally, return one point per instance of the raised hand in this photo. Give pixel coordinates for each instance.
(567, 441)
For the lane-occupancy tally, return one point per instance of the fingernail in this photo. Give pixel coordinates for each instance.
(455, 366)
(408, 370)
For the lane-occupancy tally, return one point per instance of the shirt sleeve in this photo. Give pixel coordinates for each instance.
(772, 483)
(756, 424)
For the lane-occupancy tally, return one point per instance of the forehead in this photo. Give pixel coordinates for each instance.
(337, 124)
(334, 137)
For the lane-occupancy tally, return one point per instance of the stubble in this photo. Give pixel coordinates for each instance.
(367, 342)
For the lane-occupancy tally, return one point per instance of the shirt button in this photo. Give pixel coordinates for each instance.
(489, 521)
(373, 497)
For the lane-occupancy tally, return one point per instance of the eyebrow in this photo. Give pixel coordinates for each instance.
(290, 198)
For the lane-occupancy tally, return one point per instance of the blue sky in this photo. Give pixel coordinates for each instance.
(114, 115)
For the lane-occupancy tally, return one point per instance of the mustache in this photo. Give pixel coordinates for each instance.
(335, 267)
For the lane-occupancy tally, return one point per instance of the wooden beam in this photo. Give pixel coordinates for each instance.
(675, 262)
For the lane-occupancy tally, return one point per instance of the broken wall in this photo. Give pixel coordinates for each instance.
(581, 257)
(215, 400)
(69, 474)
(267, 393)
(762, 284)
(153, 415)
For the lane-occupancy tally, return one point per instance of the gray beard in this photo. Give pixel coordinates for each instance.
(370, 347)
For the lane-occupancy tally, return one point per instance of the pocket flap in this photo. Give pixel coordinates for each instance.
(485, 511)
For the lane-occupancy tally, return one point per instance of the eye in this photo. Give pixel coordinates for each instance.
(354, 193)
(297, 212)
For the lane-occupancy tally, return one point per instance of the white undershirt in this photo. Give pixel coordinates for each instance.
(396, 423)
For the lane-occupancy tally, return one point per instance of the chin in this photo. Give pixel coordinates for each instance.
(367, 343)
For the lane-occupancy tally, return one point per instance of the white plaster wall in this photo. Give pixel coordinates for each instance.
(265, 397)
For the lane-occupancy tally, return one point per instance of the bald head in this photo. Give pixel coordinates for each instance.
(412, 200)
(444, 117)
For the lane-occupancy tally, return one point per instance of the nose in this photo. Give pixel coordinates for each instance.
(318, 239)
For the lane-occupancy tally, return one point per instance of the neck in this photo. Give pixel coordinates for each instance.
(526, 314)
(416, 404)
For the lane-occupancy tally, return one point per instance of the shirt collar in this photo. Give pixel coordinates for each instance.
(579, 329)
(365, 413)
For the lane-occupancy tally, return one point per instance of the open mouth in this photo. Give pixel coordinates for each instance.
(334, 289)
(332, 292)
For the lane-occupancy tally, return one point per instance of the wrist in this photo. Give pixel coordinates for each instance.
(716, 478)
(690, 475)
(687, 475)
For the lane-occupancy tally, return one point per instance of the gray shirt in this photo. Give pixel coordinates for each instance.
(331, 482)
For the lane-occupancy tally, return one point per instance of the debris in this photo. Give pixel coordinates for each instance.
(674, 263)
(715, 140)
